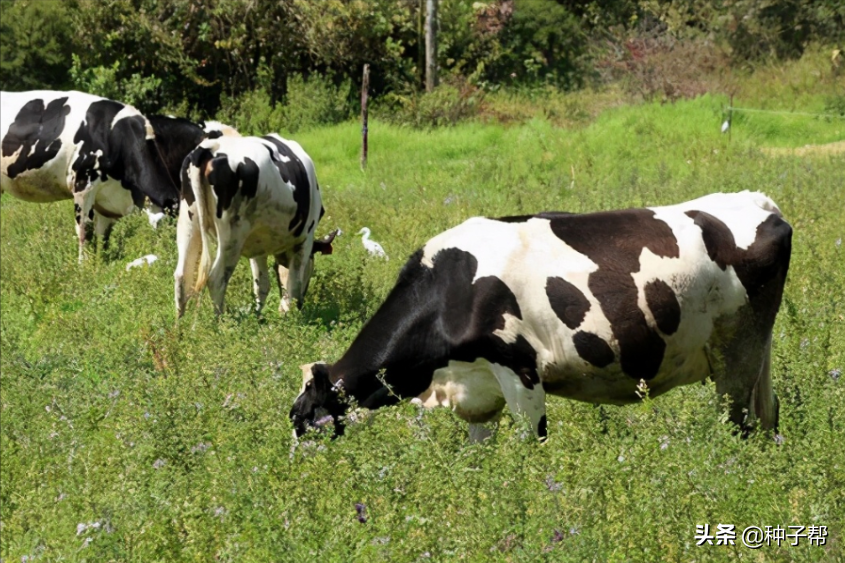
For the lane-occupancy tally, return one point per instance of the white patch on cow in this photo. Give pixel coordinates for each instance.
(226, 130)
(130, 111)
(742, 212)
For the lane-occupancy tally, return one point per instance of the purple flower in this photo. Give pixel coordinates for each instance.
(557, 536)
(552, 485)
(362, 512)
(323, 420)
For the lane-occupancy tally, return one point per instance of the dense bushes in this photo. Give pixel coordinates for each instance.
(202, 56)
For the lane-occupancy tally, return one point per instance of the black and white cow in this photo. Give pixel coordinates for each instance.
(499, 312)
(258, 197)
(176, 137)
(71, 145)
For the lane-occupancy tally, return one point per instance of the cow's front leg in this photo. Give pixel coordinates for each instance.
(523, 397)
(102, 227)
(260, 281)
(83, 205)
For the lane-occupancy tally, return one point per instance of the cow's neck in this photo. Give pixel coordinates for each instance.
(390, 346)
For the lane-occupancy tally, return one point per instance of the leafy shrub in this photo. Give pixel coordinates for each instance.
(309, 102)
(143, 92)
(35, 42)
(453, 101)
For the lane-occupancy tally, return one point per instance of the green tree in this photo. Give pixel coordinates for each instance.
(35, 44)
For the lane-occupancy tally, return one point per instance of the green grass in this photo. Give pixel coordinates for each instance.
(175, 438)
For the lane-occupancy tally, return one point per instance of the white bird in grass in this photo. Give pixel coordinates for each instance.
(154, 217)
(725, 126)
(372, 246)
(148, 259)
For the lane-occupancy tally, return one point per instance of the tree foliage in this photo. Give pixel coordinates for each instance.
(198, 54)
(35, 43)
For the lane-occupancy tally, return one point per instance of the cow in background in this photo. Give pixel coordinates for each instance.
(596, 307)
(257, 197)
(176, 137)
(71, 145)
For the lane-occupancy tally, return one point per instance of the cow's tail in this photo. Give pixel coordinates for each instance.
(765, 401)
(205, 217)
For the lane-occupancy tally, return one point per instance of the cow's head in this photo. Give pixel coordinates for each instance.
(319, 403)
(299, 275)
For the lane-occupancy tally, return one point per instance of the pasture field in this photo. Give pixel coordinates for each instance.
(127, 437)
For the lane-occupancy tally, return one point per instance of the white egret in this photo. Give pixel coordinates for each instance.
(154, 217)
(372, 246)
(148, 259)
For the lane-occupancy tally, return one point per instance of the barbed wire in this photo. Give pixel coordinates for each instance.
(781, 112)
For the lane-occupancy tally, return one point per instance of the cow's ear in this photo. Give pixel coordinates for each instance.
(324, 245)
(320, 373)
(306, 375)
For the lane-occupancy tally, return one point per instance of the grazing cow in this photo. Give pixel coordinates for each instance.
(176, 137)
(257, 197)
(505, 311)
(71, 145)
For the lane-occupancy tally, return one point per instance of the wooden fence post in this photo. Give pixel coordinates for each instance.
(365, 86)
(430, 45)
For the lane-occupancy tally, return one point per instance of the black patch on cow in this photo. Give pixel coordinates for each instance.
(434, 315)
(125, 153)
(35, 127)
(293, 172)
(513, 218)
(175, 138)
(664, 306)
(592, 348)
(567, 301)
(764, 261)
(199, 159)
(542, 428)
(525, 218)
(614, 240)
(228, 183)
(186, 191)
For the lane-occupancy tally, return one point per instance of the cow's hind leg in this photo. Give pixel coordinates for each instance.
(282, 277)
(523, 398)
(260, 281)
(746, 377)
(189, 244)
(222, 270)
